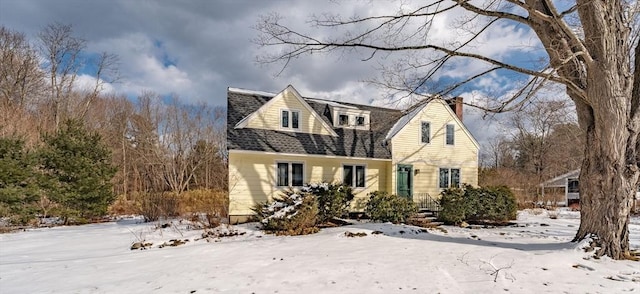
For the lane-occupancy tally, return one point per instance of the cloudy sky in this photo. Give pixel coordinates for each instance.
(196, 49)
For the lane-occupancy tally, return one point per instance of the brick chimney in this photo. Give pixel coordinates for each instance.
(456, 106)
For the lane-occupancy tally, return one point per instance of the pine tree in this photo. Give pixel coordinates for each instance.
(19, 190)
(78, 171)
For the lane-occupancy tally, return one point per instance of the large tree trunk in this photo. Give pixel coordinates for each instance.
(607, 114)
(607, 180)
(600, 78)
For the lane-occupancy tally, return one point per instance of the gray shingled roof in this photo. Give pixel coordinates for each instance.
(350, 142)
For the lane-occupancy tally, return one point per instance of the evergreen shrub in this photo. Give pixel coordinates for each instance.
(19, 189)
(385, 207)
(495, 204)
(334, 200)
(77, 172)
(293, 213)
(453, 206)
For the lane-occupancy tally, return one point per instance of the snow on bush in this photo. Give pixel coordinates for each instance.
(293, 213)
(334, 200)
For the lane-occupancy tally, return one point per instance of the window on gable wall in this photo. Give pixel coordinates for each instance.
(290, 114)
(290, 174)
(450, 135)
(426, 132)
(295, 119)
(359, 121)
(285, 119)
(449, 178)
(353, 175)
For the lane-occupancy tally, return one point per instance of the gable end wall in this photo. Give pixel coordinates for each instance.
(407, 148)
(269, 118)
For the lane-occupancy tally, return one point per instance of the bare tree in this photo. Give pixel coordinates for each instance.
(21, 86)
(533, 127)
(61, 51)
(63, 58)
(144, 139)
(590, 47)
(20, 76)
(106, 72)
(185, 132)
(499, 153)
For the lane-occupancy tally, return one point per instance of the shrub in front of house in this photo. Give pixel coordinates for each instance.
(293, 213)
(453, 206)
(491, 203)
(495, 204)
(333, 200)
(385, 207)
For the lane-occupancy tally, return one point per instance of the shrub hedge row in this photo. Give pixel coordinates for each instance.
(299, 212)
(496, 204)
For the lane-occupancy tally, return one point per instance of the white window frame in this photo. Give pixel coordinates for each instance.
(453, 135)
(348, 120)
(354, 178)
(430, 137)
(290, 111)
(450, 173)
(352, 117)
(289, 172)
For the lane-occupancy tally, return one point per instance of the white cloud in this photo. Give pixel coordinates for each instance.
(197, 49)
(87, 83)
(143, 66)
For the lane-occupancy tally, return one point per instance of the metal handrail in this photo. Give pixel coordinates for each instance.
(426, 202)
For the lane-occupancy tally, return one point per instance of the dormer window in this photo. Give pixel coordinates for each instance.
(343, 120)
(350, 117)
(290, 119)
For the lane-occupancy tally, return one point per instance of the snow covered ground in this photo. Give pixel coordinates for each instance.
(533, 257)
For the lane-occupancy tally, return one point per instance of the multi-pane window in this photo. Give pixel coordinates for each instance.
(290, 119)
(290, 174)
(425, 132)
(343, 120)
(295, 119)
(449, 177)
(353, 175)
(359, 121)
(450, 134)
(285, 118)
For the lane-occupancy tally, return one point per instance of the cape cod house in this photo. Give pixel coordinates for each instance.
(280, 140)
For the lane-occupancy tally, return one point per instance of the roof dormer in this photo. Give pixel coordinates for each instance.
(350, 117)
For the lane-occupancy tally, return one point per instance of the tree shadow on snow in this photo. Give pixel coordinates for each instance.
(474, 236)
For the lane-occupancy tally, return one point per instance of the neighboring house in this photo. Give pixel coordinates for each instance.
(285, 140)
(569, 184)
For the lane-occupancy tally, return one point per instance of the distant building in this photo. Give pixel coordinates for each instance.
(570, 185)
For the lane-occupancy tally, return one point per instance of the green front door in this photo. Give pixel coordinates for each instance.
(404, 180)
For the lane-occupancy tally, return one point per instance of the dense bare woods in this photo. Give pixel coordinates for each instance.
(159, 146)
